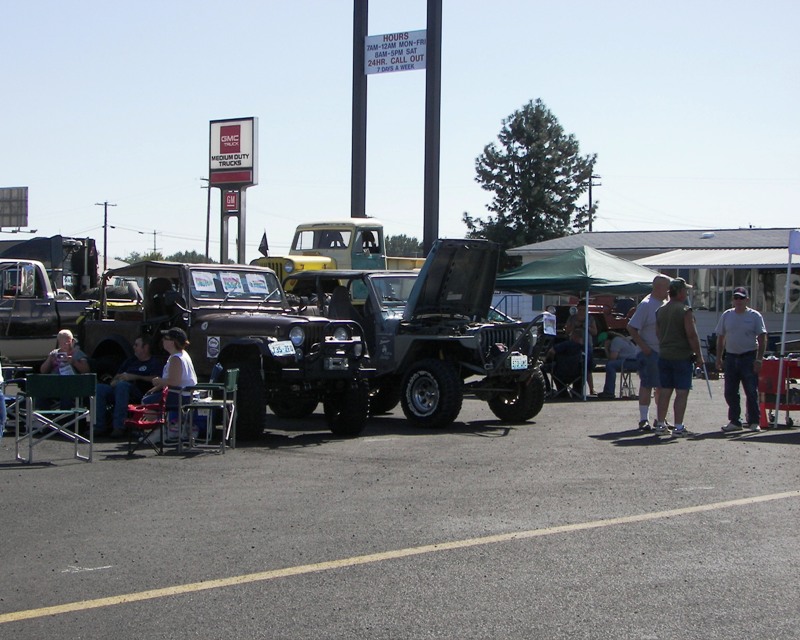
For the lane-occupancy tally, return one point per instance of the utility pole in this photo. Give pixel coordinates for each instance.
(591, 206)
(208, 215)
(105, 206)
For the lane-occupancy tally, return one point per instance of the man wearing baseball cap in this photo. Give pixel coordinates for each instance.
(742, 334)
(678, 346)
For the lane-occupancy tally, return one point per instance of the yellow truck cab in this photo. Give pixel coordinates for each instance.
(353, 243)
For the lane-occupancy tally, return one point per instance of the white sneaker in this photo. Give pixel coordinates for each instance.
(754, 427)
(731, 427)
(661, 429)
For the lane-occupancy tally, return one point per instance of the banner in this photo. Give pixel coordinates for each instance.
(794, 241)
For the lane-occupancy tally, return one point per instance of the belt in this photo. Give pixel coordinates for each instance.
(739, 355)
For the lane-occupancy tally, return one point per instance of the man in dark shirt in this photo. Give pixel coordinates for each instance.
(678, 346)
(132, 381)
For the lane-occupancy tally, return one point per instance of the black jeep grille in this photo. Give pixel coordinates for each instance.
(315, 333)
(498, 335)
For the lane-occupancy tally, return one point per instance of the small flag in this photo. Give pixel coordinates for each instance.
(794, 241)
(263, 248)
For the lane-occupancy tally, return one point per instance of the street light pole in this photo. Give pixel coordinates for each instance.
(105, 206)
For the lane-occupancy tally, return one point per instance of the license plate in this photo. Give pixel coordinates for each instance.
(519, 362)
(282, 348)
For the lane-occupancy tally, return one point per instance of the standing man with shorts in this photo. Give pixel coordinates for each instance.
(642, 328)
(679, 345)
(742, 334)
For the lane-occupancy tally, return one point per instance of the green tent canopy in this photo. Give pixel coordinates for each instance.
(578, 271)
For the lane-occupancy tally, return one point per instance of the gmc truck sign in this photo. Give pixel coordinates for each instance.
(233, 151)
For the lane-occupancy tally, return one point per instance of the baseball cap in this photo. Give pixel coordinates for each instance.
(676, 284)
(740, 292)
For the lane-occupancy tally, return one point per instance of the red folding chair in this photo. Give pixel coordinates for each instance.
(142, 423)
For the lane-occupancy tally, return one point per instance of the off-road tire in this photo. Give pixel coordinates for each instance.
(293, 408)
(386, 398)
(431, 394)
(526, 403)
(251, 403)
(347, 412)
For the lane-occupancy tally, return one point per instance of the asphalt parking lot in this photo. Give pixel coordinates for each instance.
(574, 525)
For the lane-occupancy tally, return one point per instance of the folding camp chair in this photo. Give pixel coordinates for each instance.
(566, 376)
(56, 404)
(627, 387)
(144, 420)
(208, 397)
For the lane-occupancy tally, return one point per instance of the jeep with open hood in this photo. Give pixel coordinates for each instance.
(430, 337)
(238, 316)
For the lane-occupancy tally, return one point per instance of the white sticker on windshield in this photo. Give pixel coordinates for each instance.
(203, 281)
(257, 283)
(231, 282)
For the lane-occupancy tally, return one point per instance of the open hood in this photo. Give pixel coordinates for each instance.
(456, 279)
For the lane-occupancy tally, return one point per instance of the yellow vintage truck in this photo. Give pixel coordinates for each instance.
(352, 243)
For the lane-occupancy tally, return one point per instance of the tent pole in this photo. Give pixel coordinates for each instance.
(586, 346)
(782, 351)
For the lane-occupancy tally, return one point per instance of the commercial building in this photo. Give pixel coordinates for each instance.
(714, 262)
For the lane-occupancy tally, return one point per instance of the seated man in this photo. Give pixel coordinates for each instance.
(621, 352)
(564, 361)
(132, 381)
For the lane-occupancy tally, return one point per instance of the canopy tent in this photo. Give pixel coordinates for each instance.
(582, 270)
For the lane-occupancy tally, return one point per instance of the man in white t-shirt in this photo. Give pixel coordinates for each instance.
(621, 353)
(642, 329)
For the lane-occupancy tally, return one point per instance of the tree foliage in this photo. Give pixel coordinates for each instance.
(536, 176)
(135, 256)
(402, 246)
(189, 257)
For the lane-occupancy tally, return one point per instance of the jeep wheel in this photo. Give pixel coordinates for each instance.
(293, 408)
(432, 394)
(251, 405)
(385, 398)
(522, 405)
(346, 412)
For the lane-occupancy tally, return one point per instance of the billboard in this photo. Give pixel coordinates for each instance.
(233, 153)
(13, 207)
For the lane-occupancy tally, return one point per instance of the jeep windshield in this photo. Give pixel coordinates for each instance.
(392, 291)
(230, 285)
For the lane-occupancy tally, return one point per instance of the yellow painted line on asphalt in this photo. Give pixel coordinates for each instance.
(263, 576)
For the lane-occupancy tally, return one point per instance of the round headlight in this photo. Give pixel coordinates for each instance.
(297, 336)
(341, 333)
(289, 266)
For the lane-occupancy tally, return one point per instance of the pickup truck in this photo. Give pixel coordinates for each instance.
(239, 316)
(31, 312)
(354, 243)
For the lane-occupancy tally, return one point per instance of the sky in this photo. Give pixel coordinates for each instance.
(690, 106)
